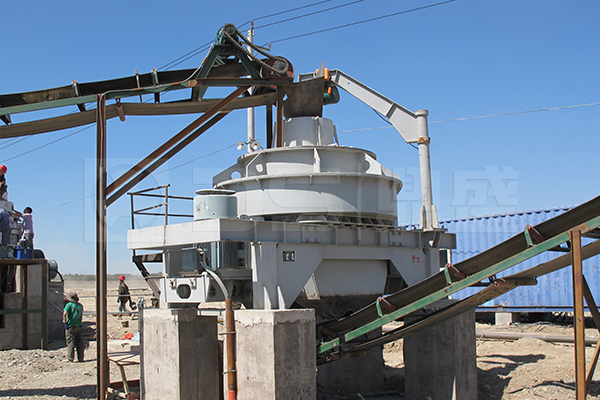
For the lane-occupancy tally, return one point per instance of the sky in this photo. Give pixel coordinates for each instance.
(459, 60)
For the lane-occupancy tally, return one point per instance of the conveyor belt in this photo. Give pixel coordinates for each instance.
(513, 246)
(505, 285)
(132, 82)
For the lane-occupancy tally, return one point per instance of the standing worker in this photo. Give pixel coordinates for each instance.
(28, 227)
(3, 187)
(4, 226)
(124, 296)
(72, 319)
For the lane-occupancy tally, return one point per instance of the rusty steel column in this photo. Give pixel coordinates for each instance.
(589, 299)
(230, 345)
(279, 117)
(578, 316)
(269, 126)
(101, 319)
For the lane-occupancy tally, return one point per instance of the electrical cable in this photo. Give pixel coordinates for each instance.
(363, 21)
(45, 145)
(196, 51)
(390, 124)
(174, 63)
(196, 159)
(13, 142)
(65, 204)
(156, 173)
(482, 116)
(309, 14)
(200, 49)
(285, 12)
(516, 112)
(204, 47)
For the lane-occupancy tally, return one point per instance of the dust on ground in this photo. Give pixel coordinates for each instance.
(523, 369)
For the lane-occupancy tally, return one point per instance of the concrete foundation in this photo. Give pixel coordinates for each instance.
(440, 362)
(276, 354)
(362, 374)
(181, 355)
(507, 318)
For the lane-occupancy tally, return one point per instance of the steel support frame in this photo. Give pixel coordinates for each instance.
(578, 316)
(102, 203)
(165, 157)
(456, 286)
(101, 236)
(175, 139)
(582, 291)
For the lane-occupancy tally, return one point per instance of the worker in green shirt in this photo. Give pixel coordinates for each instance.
(72, 319)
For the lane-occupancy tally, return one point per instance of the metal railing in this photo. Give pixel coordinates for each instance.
(165, 204)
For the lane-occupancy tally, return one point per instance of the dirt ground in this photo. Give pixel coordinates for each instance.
(37, 374)
(523, 369)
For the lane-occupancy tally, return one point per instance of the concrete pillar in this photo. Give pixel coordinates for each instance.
(361, 374)
(440, 362)
(276, 354)
(181, 355)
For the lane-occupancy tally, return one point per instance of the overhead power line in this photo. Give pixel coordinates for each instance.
(363, 21)
(13, 141)
(47, 144)
(286, 11)
(64, 204)
(309, 14)
(516, 112)
(185, 57)
(481, 116)
(204, 47)
(196, 159)
(156, 173)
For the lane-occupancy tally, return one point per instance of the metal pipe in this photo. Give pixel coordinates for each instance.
(230, 338)
(578, 316)
(589, 341)
(279, 117)
(101, 289)
(428, 220)
(250, 111)
(547, 338)
(167, 205)
(141, 332)
(269, 126)
(231, 356)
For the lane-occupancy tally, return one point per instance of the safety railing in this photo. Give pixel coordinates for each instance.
(154, 210)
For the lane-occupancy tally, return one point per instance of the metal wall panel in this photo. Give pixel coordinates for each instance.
(553, 291)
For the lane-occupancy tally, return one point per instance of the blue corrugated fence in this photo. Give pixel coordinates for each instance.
(553, 291)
